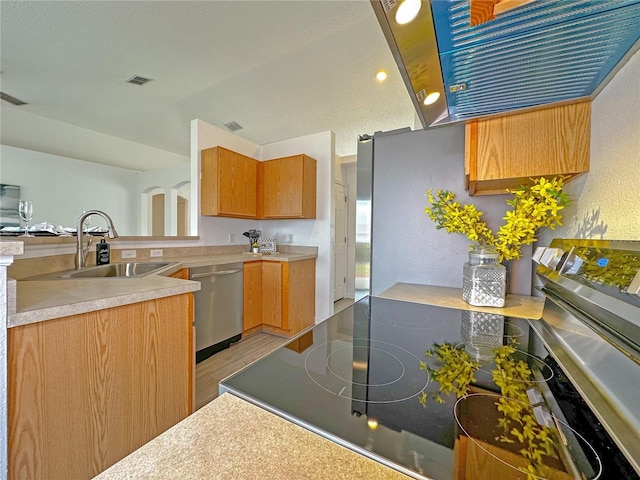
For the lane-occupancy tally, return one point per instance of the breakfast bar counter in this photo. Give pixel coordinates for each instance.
(231, 438)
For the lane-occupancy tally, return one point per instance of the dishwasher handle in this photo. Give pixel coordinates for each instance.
(215, 274)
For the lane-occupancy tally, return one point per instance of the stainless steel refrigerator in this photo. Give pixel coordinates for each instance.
(400, 242)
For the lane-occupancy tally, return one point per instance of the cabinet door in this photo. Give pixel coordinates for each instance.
(183, 274)
(508, 151)
(301, 287)
(289, 187)
(228, 183)
(252, 295)
(272, 294)
(88, 389)
(238, 182)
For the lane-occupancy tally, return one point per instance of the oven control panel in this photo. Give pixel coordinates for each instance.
(593, 265)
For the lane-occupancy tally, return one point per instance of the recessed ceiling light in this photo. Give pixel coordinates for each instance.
(381, 75)
(407, 11)
(431, 98)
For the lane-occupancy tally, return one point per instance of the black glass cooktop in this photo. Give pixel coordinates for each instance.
(361, 379)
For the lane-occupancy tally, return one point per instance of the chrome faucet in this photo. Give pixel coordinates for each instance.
(81, 253)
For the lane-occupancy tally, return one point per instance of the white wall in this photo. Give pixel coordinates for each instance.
(61, 188)
(54, 139)
(22, 129)
(606, 200)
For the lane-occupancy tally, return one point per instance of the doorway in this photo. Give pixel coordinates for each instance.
(157, 215)
(340, 247)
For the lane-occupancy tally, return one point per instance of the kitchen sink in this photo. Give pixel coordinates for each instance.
(113, 270)
(129, 269)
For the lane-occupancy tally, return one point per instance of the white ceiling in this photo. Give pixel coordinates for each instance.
(280, 69)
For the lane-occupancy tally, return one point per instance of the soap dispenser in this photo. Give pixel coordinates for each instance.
(102, 252)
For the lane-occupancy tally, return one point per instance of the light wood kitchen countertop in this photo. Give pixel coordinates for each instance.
(520, 306)
(230, 438)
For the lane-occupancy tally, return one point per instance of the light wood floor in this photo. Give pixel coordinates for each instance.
(209, 372)
(342, 304)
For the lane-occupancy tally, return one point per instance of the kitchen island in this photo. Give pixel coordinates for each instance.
(231, 438)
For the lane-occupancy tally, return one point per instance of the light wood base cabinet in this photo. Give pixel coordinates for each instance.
(182, 274)
(506, 152)
(88, 389)
(279, 296)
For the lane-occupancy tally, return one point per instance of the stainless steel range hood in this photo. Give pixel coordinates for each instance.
(541, 52)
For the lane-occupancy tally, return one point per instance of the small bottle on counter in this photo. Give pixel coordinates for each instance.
(103, 255)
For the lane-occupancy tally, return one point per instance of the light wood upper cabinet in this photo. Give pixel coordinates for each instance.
(228, 182)
(505, 152)
(88, 389)
(289, 187)
(234, 185)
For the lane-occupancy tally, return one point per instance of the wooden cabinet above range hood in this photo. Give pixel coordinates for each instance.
(511, 150)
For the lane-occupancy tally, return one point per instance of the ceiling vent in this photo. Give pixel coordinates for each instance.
(138, 80)
(233, 126)
(11, 100)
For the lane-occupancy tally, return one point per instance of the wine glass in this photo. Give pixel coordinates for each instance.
(87, 222)
(25, 209)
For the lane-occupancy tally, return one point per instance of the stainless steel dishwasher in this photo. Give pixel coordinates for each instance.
(218, 307)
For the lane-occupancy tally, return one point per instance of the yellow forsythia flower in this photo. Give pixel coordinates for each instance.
(535, 206)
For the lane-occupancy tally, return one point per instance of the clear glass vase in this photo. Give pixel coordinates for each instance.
(482, 334)
(484, 278)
